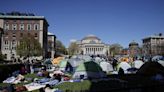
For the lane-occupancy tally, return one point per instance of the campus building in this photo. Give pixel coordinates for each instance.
(92, 45)
(51, 45)
(134, 49)
(153, 45)
(17, 25)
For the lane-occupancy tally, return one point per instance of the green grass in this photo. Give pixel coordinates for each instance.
(87, 85)
(32, 76)
(75, 86)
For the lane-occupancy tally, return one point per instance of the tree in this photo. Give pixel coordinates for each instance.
(115, 49)
(73, 48)
(29, 46)
(60, 48)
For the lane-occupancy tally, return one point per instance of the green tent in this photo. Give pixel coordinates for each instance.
(89, 66)
(64, 65)
(89, 69)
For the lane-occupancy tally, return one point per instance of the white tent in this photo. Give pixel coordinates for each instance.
(157, 58)
(124, 66)
(107, 67)
(138, 64)
(161, 62)
(75, 61)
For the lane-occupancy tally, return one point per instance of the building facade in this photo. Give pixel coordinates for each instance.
(51, 45)
(92, 45)
(134, 49)
(153, 45)
(17, 25)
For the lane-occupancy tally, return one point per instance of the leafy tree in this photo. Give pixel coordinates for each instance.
(73, 48)
(60, 48)
(2, 57)
(115, 49)
(29, 46)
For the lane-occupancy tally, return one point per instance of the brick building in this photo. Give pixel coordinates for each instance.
(16, 25)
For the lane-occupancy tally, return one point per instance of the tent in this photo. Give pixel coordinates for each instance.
(151, 68)
(124, 66)
(97, 60)
(107, 67)
(138, 64)
(57, 60)
(75, 61)
(157, 57)
(88, 69)
(86, 58)
(64, 65)
(47, 61)
(161, 62)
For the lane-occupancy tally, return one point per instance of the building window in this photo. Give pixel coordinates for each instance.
(13, 55)
(14, 27)
(13, 48)
(36, 26)
(6, 42)
(36, 35)
(21, 27)
(5, 56)
(28, 26)
(14, 35)
(6, 48)
(13, 42)
(6, 27)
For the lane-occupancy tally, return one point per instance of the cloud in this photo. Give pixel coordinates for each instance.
(73, 40)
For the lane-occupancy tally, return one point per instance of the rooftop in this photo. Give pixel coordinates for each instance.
(91, 37)
(154, 36)
(18, 15)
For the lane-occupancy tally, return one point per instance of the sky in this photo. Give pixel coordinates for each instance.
(113, 21)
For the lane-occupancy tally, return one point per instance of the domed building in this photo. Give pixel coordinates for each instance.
(134, 49)
(92, 45)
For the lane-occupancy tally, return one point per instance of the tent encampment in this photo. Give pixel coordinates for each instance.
(107, 67)
(88, 69)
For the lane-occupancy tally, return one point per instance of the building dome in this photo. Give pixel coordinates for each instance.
(133, 43)
(89, 37)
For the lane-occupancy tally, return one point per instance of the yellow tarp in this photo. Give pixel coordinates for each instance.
(126, 59)
(57, 60)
